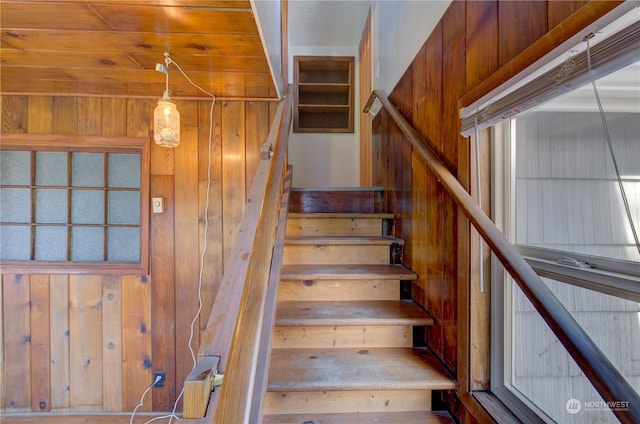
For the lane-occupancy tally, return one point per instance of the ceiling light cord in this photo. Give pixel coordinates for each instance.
(607, 137)
(169, 61)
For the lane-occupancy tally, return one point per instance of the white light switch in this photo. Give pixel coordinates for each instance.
(157, 204)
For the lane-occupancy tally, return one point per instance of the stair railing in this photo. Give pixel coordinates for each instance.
(234, 350)
(607, 380)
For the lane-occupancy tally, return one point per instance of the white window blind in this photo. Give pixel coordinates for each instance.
(615, 52)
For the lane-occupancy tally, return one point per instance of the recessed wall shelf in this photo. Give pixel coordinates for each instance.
(323, 90)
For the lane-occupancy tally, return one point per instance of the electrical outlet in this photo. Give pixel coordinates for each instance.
(156, 375)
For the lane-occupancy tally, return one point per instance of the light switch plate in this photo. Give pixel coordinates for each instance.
(157, 204)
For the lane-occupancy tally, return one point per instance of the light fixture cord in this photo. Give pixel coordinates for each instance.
(169, 61)
(193, 83)
(206, 224)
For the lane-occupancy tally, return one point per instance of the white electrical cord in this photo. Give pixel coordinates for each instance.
(206, 207)
(158, 378)
(173, 415)
(206, 228)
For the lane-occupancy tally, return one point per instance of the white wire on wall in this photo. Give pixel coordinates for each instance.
(202, 255)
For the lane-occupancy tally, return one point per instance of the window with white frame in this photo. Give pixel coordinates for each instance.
(568, 187)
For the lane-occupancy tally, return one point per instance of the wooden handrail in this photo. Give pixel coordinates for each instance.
(604, 376)
(234, 328)
(268, 323)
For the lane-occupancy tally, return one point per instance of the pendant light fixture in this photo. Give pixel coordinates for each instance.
(166, 118)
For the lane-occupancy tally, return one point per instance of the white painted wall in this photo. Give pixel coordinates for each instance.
(399, 29)
(268, 14)
(334, 27)
(326, 159)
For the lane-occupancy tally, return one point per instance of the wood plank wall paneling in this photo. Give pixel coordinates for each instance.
(210, 177)
(162, 268)
(187, 231)
(40, 115)
(257, 112)
(136, 341)
(453, 66)
(114, 117)
(85, 339)
(15, 113)
(89, 116)
(111, 343)
(59, 329)
(558, 11)
(17, 339)
(91, 342)
(521, 23)
(40, 343)
(65, 115)
(482, 40)
(465, 50)
(233, 176)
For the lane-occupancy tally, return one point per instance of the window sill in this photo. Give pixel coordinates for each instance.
(97, 268)
(493, 407)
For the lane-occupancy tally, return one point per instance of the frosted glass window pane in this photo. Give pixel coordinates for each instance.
(123, 244)
(15, 168)
(51, 244)
(15, 243)
(87, 244)
(51, 206)
(51, 168)
(87, 207)
(88, 170)
(124, 207)
(15, 205)
(124, 170)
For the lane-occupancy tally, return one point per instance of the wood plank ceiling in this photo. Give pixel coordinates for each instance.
(111, 47)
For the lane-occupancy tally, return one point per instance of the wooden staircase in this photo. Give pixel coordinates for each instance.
(342, 349)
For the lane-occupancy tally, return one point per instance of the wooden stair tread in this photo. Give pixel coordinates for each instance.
(381, 312)
(344, 215)
(420, 417)
(343, 240)
(346, 272)
(356, 369)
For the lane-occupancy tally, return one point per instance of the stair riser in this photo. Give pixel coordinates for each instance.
(335, 254)
(339, 290)
(342, 336)
(334, 227)
(347, 401)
